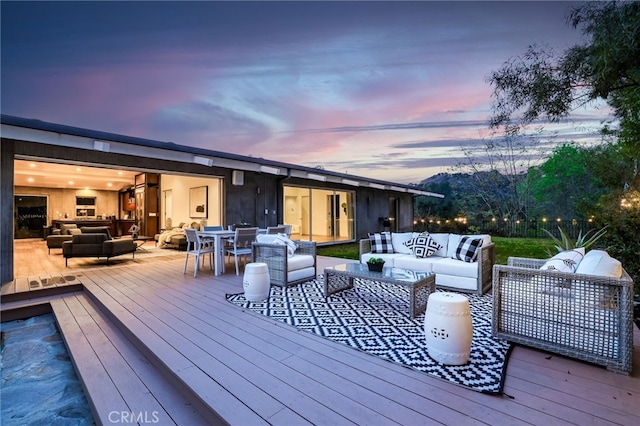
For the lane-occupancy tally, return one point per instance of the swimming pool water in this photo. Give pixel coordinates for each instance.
(38, 384)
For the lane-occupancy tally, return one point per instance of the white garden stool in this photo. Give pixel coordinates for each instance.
(256, 282)
(448, 328)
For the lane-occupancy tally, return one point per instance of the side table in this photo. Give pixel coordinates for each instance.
(448, 328)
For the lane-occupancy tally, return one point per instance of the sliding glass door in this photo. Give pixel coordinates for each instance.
(321, 215)
(30, 216)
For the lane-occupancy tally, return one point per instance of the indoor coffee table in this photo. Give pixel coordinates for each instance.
(420, 284)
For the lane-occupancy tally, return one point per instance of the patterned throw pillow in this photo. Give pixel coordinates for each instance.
(291, 245)
(381, 242)
(566, 261)
(423, 245)
(468, 249)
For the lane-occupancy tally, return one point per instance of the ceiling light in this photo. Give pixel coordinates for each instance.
(351, 182)
(101, 146)
(316, 177)
(203, 160)
(70, 182)
(109, 184)
(32, 164)
(272, 170)
(397, 188)
(30, 179)
(78, 169)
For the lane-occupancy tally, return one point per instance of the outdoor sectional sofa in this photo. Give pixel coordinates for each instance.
(471, 275)
(584, 312)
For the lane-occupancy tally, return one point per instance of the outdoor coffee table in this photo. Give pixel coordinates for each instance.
(420, 284)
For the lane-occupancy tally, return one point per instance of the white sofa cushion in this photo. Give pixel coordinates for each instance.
(299, 261)
(443, 240)
(456, 281)
(409, 261)
(388, 257)
(300, 274)
(455, 267)
(399, 241)
(598, 262)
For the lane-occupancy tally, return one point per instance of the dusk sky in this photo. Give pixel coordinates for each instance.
(387, 90)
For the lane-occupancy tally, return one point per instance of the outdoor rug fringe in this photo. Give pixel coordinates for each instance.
(372, 317)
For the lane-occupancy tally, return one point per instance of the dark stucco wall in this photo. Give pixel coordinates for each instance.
(6, 215)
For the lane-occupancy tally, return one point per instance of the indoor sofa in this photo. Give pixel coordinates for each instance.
(65, 233)
(96, 244)
(460, 262)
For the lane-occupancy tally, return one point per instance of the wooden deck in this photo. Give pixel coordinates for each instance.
(147, 338)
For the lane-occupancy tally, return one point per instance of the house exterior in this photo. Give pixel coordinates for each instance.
(174, 184)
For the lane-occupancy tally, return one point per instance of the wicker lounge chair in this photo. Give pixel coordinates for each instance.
(588, 317)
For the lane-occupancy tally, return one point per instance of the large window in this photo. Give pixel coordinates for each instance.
(321, 215)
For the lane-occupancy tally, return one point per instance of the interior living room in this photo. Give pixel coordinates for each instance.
(50, 195)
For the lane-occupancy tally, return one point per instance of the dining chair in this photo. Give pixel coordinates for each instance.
(287, 229)
(242, 244)
(212, 228)
(280, 229)
(197, 247)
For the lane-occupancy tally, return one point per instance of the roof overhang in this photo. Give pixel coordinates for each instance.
(72, 137)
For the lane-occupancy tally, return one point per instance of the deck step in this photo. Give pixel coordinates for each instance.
(211, 400)
(119, 381)
(24, 288)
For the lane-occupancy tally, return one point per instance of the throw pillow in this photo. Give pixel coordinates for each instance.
(566, 261)
(399, 241)
(423, 245)
(598, 262)
(468, 249)
(381, 242)
(291, 246)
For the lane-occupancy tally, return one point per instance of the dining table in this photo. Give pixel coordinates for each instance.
(218, 236)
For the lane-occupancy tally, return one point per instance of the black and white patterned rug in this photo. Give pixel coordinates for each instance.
(373, 317)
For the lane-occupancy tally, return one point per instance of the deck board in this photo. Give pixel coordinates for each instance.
(95, 380)
(180, 410)
(266, 378)
(294, 377)
(135, 393)
(321, 373)
(179, 353)
(144, 390)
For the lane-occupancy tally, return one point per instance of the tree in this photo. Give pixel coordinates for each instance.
(542, 85)
(564, 185)
(499, 170)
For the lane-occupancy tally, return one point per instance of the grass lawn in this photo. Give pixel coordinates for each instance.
(518, 247)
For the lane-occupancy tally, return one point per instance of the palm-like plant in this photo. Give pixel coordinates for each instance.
(565, 242)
